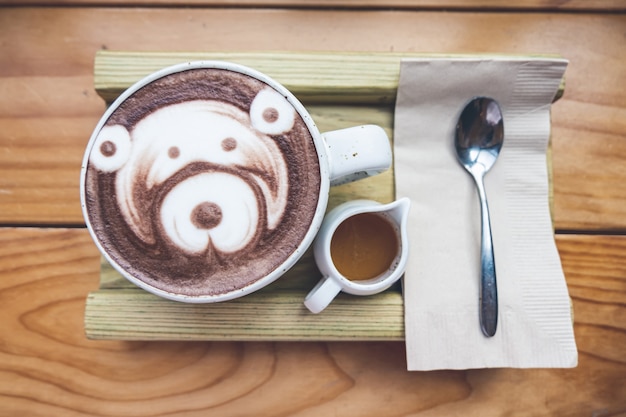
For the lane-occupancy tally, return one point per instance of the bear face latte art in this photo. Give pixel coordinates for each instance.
(201, 182)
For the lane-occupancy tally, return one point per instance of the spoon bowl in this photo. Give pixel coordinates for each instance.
(478, 141)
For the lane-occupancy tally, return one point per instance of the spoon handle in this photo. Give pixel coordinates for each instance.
(488, 287)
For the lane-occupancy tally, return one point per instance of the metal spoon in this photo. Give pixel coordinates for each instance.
(478, 140)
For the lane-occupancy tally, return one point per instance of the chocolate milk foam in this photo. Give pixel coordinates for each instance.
(202, 182)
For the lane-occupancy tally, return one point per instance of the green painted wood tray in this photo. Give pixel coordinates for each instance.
(339, 90)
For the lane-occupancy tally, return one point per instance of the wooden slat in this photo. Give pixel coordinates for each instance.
(50, 107)
(276, 315)
(525, 5)
(357, 78)
(48, 368)
(312, 77)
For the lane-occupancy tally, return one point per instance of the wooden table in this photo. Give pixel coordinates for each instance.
(48, 263)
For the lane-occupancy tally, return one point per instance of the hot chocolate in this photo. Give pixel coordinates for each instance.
(202, 182)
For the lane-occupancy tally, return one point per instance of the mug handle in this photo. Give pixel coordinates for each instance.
(322, 294)
(357, 152)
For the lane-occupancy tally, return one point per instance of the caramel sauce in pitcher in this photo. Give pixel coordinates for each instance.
(365, 246)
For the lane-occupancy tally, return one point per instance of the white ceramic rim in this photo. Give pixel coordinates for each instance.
(323, 257)
(322, 201)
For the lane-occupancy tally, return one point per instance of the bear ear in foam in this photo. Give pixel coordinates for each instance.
(111, 149)
(271, 113)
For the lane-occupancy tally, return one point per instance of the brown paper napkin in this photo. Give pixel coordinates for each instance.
(442, 279)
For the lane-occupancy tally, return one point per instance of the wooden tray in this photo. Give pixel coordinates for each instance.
(339, 90)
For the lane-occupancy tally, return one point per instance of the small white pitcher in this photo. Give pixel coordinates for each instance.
(334, 280)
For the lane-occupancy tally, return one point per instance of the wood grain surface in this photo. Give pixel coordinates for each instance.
(48, 263)
(49, 106)
(542, 5)
(48, 367)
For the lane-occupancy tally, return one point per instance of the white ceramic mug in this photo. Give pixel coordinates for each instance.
(208, 180)
(360, 256)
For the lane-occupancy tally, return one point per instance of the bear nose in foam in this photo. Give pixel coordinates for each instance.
(206, 215)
